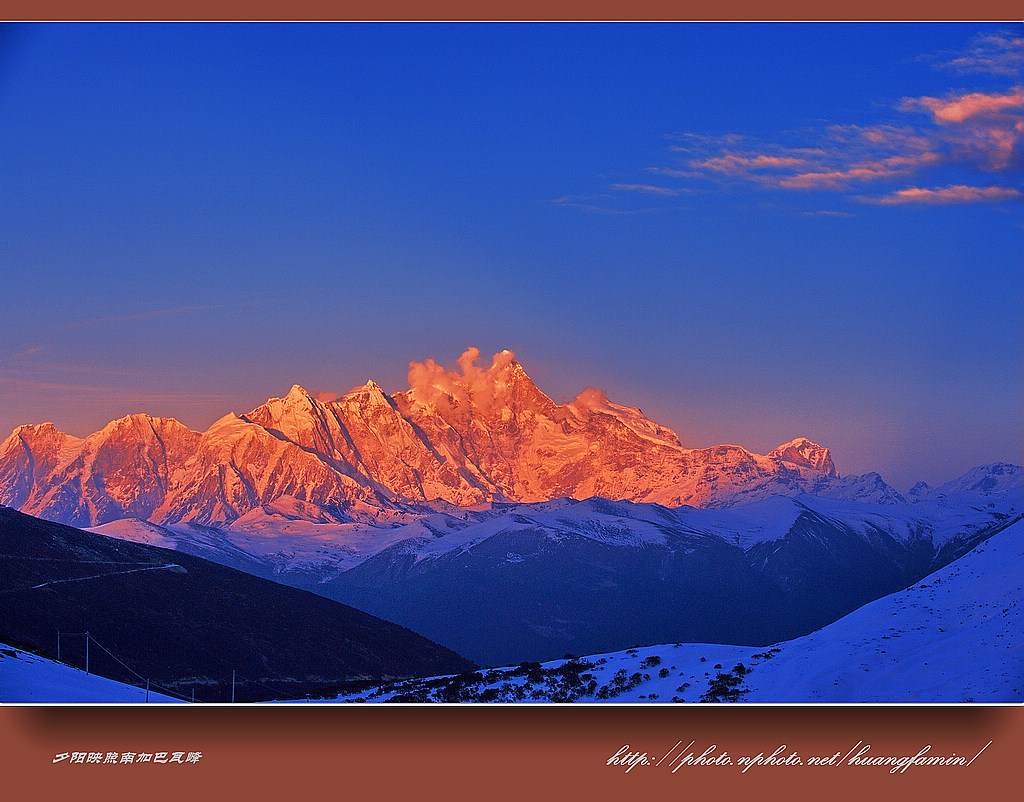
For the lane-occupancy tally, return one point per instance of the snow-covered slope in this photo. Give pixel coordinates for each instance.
(29, 678)
(462, 437)
(956, 636)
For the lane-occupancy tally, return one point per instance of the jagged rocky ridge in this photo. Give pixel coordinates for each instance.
(458, 438)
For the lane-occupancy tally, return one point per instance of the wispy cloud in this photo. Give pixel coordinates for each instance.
(30, 351)
(1000, 53)
(973, 130)
(827, 213)
(841, 177)
(650, 189)
(953, 194)
(844, 155)
(739, 164)
(967, 135)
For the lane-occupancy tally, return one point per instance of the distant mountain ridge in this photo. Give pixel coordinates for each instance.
(955, 637)
(188, 623)
(535, 581)
(461, 438)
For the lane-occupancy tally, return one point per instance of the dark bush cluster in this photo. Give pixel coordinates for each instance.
(726, 687)
(562, 683)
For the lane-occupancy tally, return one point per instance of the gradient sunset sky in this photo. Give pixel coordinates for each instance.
(752, 232)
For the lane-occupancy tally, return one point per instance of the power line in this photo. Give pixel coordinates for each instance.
(235, 676)
(136, 673)
(104, 648)
(147, 680)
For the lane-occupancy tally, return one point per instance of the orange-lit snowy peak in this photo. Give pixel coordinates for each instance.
(464, 437)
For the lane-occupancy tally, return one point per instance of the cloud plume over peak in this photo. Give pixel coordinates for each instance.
(472, 385)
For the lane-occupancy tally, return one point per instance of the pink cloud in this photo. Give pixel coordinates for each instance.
(867, 171)
(953, 194)
(975, 131)
(834, 179)
(913, 161)
(886, 137)
(994, 144)
(958, 109)
(734, 164)
(853, 154)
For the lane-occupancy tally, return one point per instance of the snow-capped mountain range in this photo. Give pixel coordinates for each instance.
(454, 438)
(474, 510)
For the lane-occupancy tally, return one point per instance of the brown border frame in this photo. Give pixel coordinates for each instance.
(475, 752)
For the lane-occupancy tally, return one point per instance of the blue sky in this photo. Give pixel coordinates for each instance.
(752, 232)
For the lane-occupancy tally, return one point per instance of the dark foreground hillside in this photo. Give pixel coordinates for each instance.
(186, 623)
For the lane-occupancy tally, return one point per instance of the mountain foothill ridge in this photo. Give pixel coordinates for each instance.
(468, 437)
